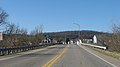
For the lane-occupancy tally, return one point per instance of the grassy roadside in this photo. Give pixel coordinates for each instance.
(106, 52)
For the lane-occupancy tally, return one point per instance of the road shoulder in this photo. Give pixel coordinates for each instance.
(23, 53)
(108, 59)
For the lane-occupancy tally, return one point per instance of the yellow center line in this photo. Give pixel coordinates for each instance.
(49, 65)
(54, 59)
(45, 65)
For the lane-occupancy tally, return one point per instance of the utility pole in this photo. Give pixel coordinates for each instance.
(78, 29)
(65, 37)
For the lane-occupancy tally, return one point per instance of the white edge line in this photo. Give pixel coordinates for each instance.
(98, 57)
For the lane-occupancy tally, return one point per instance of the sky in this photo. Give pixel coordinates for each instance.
(59, 15)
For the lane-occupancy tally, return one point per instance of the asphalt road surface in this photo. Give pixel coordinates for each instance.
(59, 56)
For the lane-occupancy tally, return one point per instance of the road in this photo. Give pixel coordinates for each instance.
(60, 56)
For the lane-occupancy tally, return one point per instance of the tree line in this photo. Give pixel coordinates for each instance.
(14, 35)
(111, 40)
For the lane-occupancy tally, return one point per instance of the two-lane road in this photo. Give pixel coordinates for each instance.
(77, 56)
(59, 56)
(37, 59)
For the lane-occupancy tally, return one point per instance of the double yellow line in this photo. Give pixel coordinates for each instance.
(54, 59)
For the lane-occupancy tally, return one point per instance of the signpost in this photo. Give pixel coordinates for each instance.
(1, 36)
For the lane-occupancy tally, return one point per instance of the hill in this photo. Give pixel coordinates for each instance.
(61, 36)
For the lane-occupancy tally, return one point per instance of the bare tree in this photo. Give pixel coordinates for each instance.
(16, 35)
(112, 40)
(116, 28)
(10, 29)
(14, 29)
(37, 35)
(3, 16)
(37, 30)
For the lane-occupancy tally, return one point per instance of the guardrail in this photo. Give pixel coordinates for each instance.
(12, 50)
(101, 47)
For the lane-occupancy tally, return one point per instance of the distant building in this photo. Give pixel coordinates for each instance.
(88, 40)
(92, 39)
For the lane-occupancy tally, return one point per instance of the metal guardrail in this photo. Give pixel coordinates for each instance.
(101, 47)
(12, 50)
